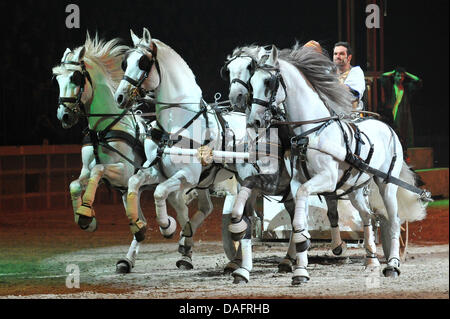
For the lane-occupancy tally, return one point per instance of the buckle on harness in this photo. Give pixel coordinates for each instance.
(299, 146)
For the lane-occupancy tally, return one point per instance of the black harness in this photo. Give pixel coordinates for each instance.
(299, 145)
(100, 138)
(145, 64)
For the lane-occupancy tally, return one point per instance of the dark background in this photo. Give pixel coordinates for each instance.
(34, 37)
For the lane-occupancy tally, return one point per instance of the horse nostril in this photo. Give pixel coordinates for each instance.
(65, 118)
(120, 99)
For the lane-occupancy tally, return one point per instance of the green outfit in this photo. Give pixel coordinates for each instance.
(402, 123)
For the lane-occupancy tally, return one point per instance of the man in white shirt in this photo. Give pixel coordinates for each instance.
(351, 76)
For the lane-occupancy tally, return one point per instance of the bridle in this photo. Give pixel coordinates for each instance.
(79, 79)
(272, 86)
(224, 73)
(145, 64)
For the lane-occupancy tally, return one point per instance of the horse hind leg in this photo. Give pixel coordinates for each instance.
(359, 201)
(338, 246)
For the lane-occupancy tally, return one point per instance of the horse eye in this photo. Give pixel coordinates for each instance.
(77, 78)
(144, 63)
(124, 65)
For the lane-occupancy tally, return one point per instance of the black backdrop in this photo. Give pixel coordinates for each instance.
(34, 37)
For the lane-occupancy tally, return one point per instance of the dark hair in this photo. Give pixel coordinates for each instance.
(400, 69)
(344, 44)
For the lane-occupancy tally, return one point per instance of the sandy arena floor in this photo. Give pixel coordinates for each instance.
(37, 247)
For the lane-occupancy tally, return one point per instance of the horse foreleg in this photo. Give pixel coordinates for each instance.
(238, 227)
(138, 224)
(167, 224)
(205, 207)
(242, 274)
(124, 266)
(319, 183)
(285, 266)
(76, 189)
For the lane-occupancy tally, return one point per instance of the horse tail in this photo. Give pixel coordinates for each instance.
(410, 206)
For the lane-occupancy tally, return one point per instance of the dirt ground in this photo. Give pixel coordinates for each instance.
(36, 248)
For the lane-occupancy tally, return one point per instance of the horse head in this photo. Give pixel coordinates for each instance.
(265, 84)
(140, 66)
(75, 86)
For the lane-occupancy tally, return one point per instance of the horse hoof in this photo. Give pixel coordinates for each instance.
(184, 265)
(391, 272)
(299, 280)
(123, 267)
(284, 268)
(238, 279)
(230, 268)
(140, 235)
(337, 251)
(88, 224)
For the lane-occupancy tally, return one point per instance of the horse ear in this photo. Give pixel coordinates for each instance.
(273, 57)
(79, 54)
(147, 37)
(65, 54)
(135, 38)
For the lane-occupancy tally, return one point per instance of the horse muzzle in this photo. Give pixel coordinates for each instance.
(67, 117)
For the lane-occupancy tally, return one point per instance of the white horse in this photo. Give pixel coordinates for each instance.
(324, 145)
(238, 70)
(182, 115)
(113, 149)
(87, 79)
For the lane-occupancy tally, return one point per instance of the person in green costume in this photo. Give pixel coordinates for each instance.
(399, 87)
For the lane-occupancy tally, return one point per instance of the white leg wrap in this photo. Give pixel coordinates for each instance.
(240, 202)
(133, 251)
(161, 213)
(395, 249)
(169, 230)
(228, 204)
(302, 264)
(369, 241)
(247, 258)
(301, 237)
(132, 206)
(242, 272)
(238, 227)
(291, 250)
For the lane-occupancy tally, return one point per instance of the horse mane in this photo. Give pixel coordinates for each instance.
(321, 73)
(250, 50)
(108, 56)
